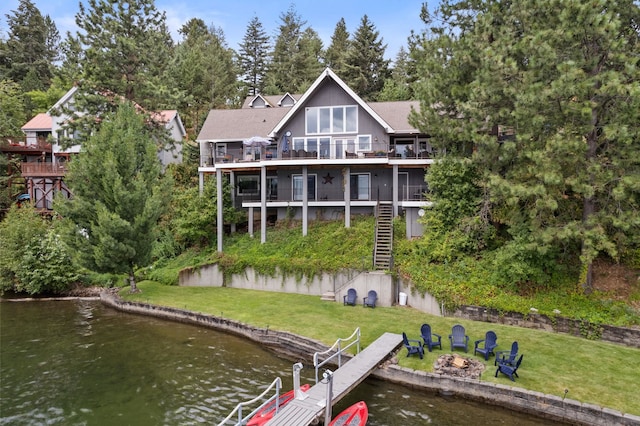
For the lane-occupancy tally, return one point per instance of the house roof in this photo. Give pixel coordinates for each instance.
(273, 101)
(41, 121)
(397, 114)
(225, 125)
(167, 116)
(239, 124)
(64, 99)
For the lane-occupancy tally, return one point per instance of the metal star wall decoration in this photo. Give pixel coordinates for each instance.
(328, 179)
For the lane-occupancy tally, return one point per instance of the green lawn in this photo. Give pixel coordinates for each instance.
(596, 372)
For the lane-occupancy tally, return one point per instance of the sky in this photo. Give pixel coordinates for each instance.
(393, 20)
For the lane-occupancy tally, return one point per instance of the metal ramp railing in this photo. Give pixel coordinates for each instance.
(340, 350)
(238, 409)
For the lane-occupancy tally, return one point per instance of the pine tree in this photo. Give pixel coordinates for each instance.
(31, 46)
(336, 54)
(123, 45)
(366, 67)
(292, 67)
(203, 72)
(12, 112)
(119, 195)
(398, 86)
(563, 79)
(253, 56)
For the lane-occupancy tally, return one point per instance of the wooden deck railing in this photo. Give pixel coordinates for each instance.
(43, 169)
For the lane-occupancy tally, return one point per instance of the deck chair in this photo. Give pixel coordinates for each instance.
(458, 338)
(507, 357)
(413, 346)
(490, 342)
(350, 297)
(509, 370)
(371, 299)
(429, 339)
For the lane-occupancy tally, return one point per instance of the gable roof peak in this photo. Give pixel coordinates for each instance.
(329, 74)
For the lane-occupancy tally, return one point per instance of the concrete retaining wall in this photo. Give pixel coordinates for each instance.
(296, 348)
(388, 290)
(625, 336)
(338, 283)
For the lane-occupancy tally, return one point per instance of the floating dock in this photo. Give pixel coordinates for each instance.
(353, 372)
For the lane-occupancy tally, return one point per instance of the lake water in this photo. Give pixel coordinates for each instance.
(80, 363)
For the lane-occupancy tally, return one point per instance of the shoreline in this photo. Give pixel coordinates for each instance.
(295, 347)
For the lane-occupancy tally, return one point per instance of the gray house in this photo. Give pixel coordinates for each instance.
(323, 154)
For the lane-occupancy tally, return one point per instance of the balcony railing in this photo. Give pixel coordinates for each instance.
(43, 169)
(406, 193)
(311, 155)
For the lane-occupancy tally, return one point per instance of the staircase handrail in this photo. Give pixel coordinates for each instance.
(339, 352)
(242, 420)
(347, 283)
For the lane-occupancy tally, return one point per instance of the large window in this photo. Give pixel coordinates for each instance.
(360, 186)
(364, 143)
(248, 185)
(297, 187)
(332, 120)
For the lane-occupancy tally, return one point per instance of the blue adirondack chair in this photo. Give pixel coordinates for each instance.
(371, 299)
(350, 297)
(509, 370)
(507, 357)
(413, 346)
(458, 338)
(490, 342)
(430, 340)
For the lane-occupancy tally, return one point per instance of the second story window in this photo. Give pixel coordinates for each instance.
(331, 120)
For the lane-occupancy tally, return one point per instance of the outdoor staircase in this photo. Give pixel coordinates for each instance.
(328, 296)
(382, 254)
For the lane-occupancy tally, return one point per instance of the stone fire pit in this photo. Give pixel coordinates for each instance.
(458, 366)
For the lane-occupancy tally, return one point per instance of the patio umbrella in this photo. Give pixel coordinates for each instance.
(256, 141)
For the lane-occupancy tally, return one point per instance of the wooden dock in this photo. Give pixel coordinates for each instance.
(303, 412)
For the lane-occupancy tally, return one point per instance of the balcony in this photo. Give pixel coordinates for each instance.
(43, 170)
(328, 154)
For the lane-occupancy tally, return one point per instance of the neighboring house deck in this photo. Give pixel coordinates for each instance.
(323, 154)
(44, 159)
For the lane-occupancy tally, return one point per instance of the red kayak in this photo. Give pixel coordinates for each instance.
(356, 415)
(266, 413)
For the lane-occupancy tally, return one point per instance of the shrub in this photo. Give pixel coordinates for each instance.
(46, 266)
(21, 228)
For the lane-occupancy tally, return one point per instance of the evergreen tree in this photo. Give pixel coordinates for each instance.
(398, 86)
(366, 67)
(203, 72)
(12, 109)
(253, 56)
(119, 195)
(292, 68)
(309, 59)
(563, 78)
(31, 48)
(123, 45)
(120, 51)
(336, 54)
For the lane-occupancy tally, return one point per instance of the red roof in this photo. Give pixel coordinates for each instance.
(41, 121)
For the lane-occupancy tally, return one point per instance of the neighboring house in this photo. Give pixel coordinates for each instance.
(45, 176)
(323, 154)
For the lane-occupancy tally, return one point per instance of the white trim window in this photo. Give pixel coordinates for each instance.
(296, 187)
(331, 120)
(364, 143)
